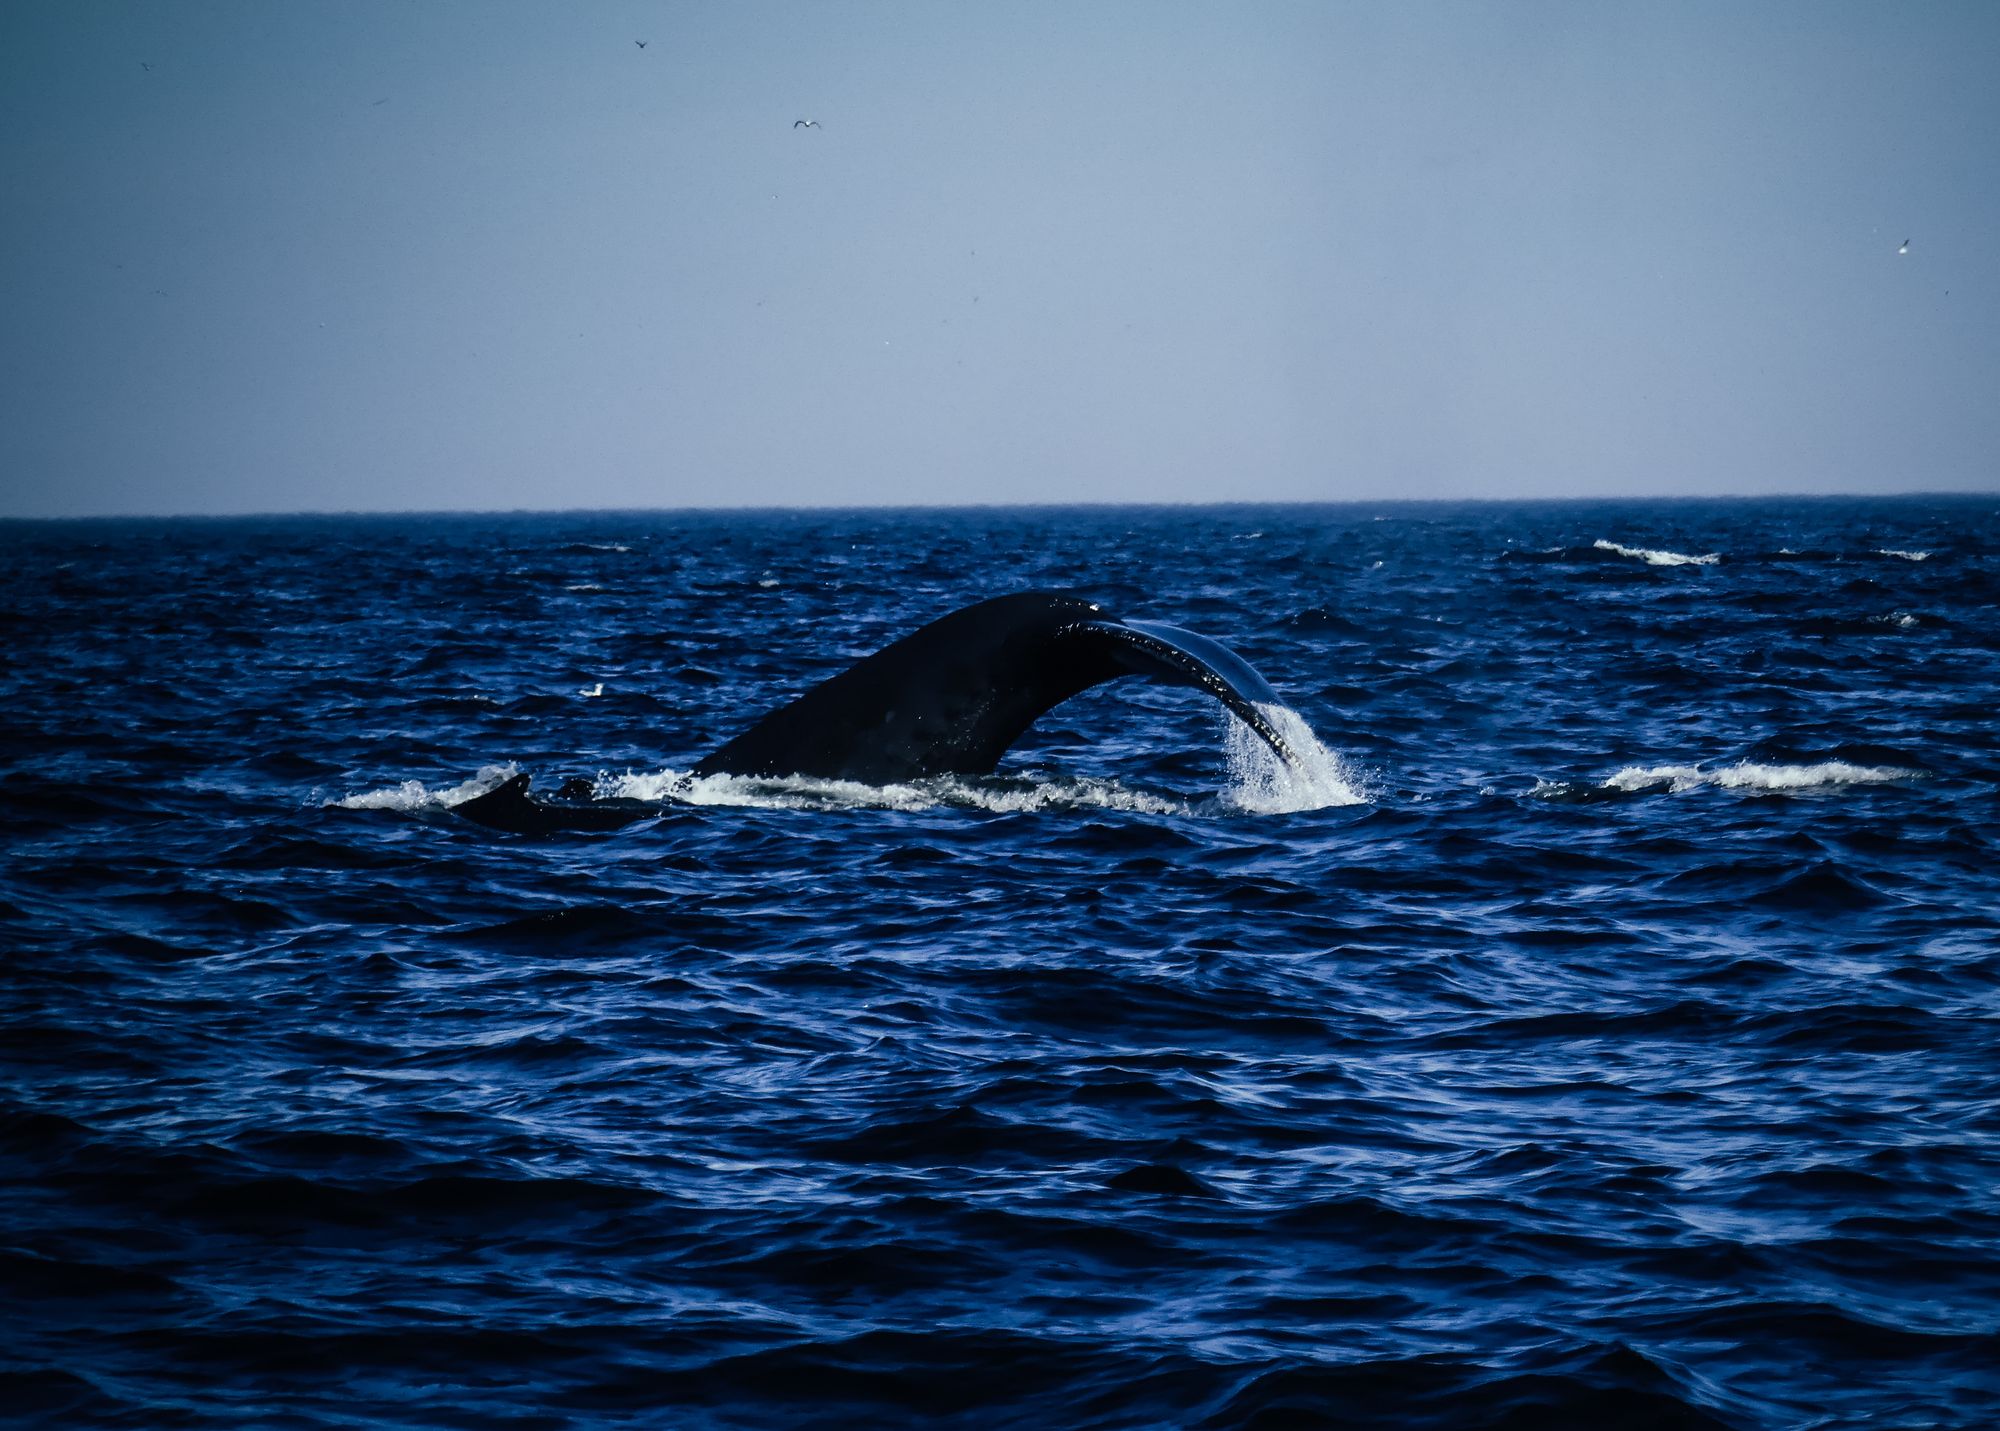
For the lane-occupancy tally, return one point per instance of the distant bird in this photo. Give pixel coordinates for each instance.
(146, 67)
(1905, 248)
(640, 43)
(805, 124)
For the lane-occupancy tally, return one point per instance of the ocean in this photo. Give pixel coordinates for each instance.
(1603, 1031)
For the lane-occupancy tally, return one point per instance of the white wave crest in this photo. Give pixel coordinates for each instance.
(1262, 783)
(1657, 558)
(1747, 775)
(1906, 556)
(415, 795)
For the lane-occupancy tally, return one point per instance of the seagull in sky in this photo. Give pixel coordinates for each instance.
(640, 43)
(805, 124)
(1905, 248)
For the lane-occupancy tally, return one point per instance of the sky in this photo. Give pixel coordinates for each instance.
(338, 255)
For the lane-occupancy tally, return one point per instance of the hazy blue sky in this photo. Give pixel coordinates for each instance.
(265, 257)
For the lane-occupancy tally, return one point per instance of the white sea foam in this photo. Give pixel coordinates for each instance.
(1906, 556)
(800, 792)
(1748, 775)
(415, 795)
(1657, 558)
(1896, 618)
(1261, 782)
(1071, 793)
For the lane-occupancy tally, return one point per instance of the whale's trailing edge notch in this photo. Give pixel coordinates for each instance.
(948, 699)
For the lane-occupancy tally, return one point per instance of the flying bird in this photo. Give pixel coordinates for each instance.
(1905, 248)
(640, 43)
(805, 124)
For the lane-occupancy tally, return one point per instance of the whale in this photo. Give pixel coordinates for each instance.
(950, 698)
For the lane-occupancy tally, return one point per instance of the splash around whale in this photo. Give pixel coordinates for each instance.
(947, 700)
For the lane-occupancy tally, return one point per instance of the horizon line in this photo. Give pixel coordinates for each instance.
(748, 508)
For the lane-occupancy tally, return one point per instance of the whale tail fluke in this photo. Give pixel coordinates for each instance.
(948, 699)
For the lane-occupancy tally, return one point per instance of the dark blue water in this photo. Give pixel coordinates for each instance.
(1611, 1037)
